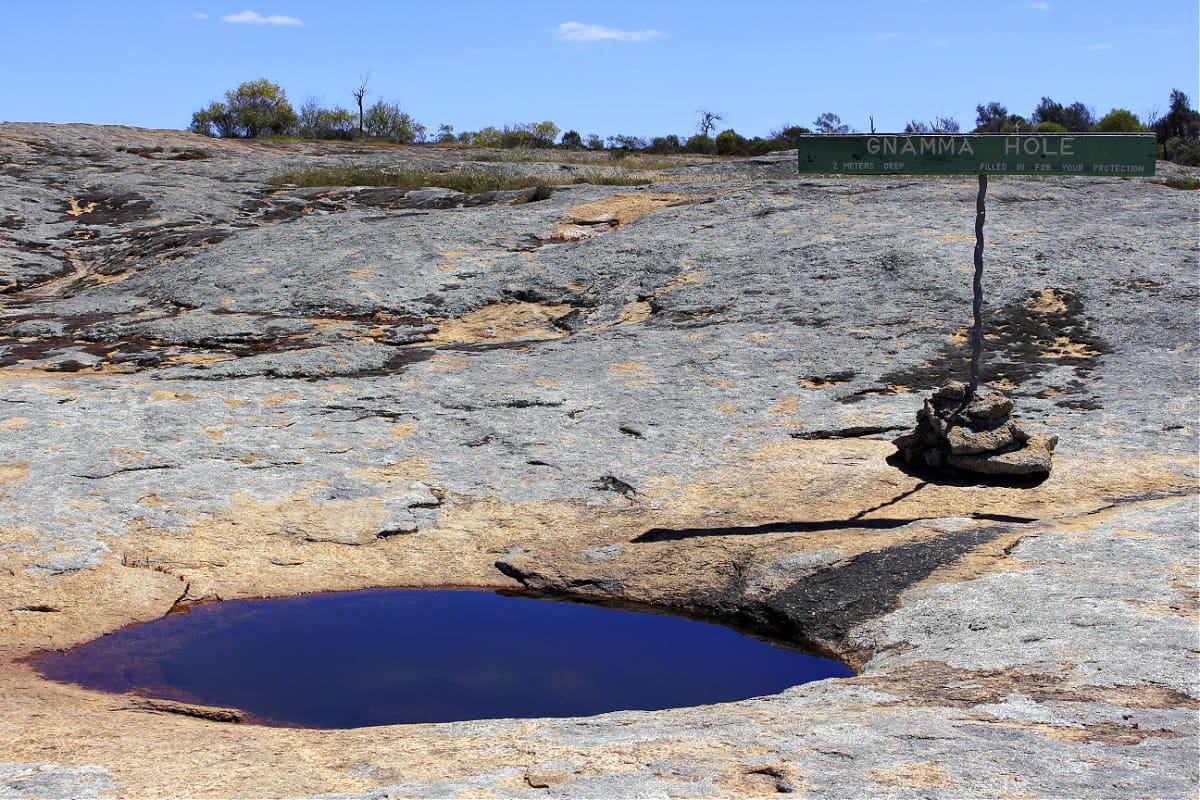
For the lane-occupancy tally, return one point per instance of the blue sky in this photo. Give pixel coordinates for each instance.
(640, 67)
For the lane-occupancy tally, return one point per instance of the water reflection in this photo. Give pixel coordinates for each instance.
(386, 656)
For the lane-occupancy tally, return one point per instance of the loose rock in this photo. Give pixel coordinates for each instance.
(979, 437)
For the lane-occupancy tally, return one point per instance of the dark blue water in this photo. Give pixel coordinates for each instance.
(386, 656)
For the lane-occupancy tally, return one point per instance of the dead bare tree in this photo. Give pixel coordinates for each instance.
(708, 121)
(358, 94)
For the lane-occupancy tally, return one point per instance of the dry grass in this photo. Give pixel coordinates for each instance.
(468, 181)
(1179, 181)
(607, 158)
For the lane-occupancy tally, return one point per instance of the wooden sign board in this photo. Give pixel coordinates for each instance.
(1120, 155)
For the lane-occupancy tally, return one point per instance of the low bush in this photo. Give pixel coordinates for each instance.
(1120, 120)
(1182, 152)
(1187, 182)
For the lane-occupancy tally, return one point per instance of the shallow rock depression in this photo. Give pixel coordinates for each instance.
(683, 394)
(390, 656)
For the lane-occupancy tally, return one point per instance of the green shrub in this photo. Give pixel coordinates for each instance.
(1049, 127)
(255, 108)
(701, 144)
(531, 135)
(1120, 120)
(729, 143)
(1181, 152)
(539, 134)
(1181, 120)
(316, 122)
(760, 147)
(785, 138)
(830, 123)
(1015, 123)
(214, 121)
(665, 144)
(389, 122)
(626, 142)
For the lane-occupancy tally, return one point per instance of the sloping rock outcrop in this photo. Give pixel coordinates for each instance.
(681, 394)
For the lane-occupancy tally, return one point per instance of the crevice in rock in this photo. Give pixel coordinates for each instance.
(101, 475)
(611, 483)
(1147, 497)
(485, 439)
(859, 395)
(485, 347)
(367, 412)
(390, 533)
(783, 781)
(156, 706)
(850, 432)
(830, 379)
(1011, 546)
(182, 598)
(526, 403)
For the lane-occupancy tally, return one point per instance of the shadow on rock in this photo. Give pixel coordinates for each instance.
(948, 476)
(812, 526)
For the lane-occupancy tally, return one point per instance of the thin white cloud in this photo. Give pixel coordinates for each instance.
(1038, 6)
(199, 15)
(254, 18)
(580, 32)
(883, 37)
(1103, 46)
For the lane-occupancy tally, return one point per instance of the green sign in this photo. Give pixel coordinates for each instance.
(980, 154)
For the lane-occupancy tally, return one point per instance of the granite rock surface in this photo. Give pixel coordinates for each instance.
(681, 394)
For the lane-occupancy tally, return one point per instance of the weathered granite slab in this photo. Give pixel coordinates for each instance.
(680, 394)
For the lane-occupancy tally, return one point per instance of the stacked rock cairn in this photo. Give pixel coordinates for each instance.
(979, 437)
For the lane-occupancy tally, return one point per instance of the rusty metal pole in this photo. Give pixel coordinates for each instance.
(977, 306)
